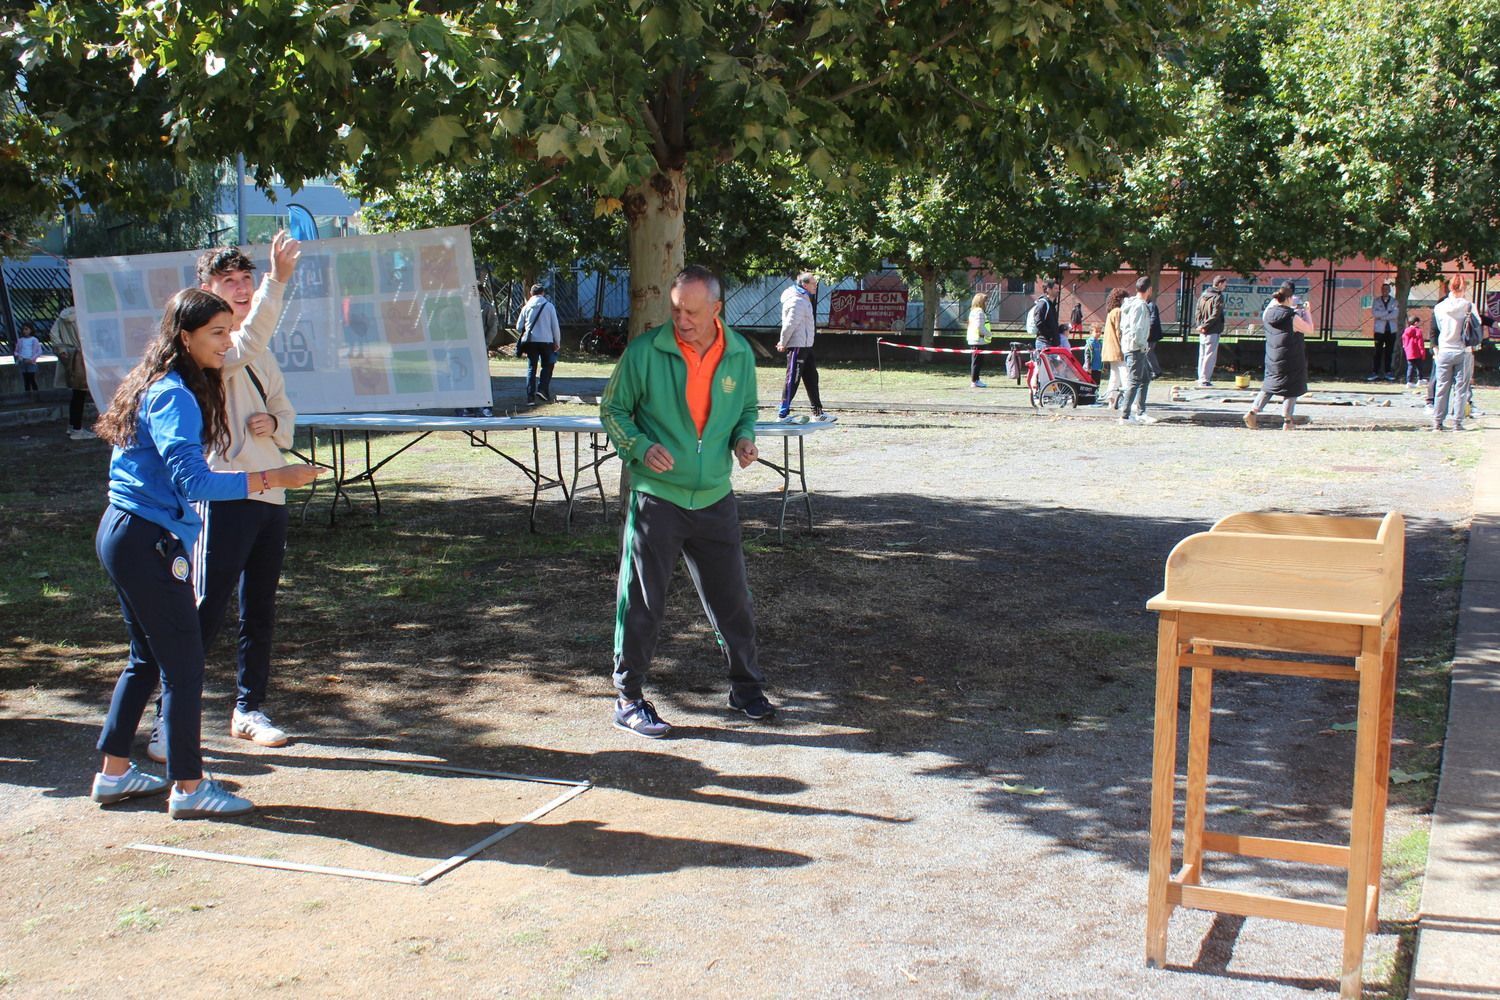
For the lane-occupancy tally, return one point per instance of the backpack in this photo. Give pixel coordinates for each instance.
(1035, 314)
(1473, 330)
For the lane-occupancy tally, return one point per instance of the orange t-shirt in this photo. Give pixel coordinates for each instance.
(700, 375)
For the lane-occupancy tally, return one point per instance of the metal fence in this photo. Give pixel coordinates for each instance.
(35, 291)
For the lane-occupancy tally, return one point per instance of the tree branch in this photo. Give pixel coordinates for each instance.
(657, 138)
(853, 89)
(977, 105)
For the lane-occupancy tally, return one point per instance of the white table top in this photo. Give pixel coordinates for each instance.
(566, 425)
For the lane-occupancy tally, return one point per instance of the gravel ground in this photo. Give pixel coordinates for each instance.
(954, 803)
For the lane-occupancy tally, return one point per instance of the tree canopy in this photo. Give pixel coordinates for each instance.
(631, 99)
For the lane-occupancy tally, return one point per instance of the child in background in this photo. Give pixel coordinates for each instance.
(28, 350)
(1416, 352)
(1094, 354)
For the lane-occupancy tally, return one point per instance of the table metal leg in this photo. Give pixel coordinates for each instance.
(536, 479)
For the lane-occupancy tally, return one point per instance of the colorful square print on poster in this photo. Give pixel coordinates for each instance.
(371, 376)
(439, 268)
(413, 372)
(403, 321)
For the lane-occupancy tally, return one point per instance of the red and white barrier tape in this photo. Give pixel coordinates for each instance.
(956, 350)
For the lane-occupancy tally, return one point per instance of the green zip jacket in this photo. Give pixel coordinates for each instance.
(645, 403)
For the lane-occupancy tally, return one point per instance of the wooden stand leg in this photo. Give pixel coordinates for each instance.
(1382, 777)
(1199, 718)
(1366, 760)
(1163, 789)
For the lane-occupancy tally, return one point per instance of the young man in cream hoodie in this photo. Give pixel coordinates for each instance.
(243, 541)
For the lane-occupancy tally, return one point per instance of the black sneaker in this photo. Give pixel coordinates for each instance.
(640, 717)
(758, 707)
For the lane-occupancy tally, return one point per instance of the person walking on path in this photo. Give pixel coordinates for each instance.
(1432, 344)
(799, 322)
(1114, 357)
(541, 340)
(69, 348)
(1286, 321)
(243, 542)
(1459, 329)
(1135, 341)
(1075, 318)
(680, 411)
(28, 351)
(1415, 351)
(1210, 329)
(979, 335)
(167, 411)
(1041, 319)
(1383, 309)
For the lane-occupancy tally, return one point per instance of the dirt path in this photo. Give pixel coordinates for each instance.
(966, 626)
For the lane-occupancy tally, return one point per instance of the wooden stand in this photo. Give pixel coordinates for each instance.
(1276, 584)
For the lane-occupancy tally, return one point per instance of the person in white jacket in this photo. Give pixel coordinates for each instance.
(541, 340)
(1383, 310)
(798, 328)
(1452, 364)
(243, 542)
(978, 335)
(1135, 341)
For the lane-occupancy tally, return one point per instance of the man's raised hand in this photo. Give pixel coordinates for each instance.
(284, 254)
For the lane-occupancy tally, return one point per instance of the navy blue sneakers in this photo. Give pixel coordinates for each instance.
(758, 707)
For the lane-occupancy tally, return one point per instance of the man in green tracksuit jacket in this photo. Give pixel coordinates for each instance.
(680, 409)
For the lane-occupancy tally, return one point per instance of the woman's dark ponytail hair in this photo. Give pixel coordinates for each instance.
(190, 309)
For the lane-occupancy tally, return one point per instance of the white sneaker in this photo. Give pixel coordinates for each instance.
(823, 417)
(156, 748)
(254, 726)
(1146, 418)
(81, 434)
(209, 801)
(109, 789)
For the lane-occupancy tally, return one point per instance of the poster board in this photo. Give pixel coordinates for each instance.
(370, 323)
(867, 309)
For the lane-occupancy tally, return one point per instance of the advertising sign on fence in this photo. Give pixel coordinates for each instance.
(865, 309)
(1244, 301)
(370, 323)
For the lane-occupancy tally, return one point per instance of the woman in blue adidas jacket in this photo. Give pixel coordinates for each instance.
(165, 415)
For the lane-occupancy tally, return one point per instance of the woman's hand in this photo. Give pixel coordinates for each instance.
(261, 424)
(289, 476)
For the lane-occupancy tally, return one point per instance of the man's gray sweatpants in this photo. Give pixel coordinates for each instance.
(1137, 382)
(656, 533)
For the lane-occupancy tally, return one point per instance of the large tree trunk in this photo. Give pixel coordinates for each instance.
(1403, 289)
(1153, 270)
(655, 211)
(929, 310)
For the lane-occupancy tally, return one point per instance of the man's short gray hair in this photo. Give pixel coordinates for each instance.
(701, 274)
(805, 277)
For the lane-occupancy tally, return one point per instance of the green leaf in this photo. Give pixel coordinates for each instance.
(512, 120)
(441, 131)
(653, 26)
(552, 141)
(1344, 727)
(1400, 777)
(821, 23)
